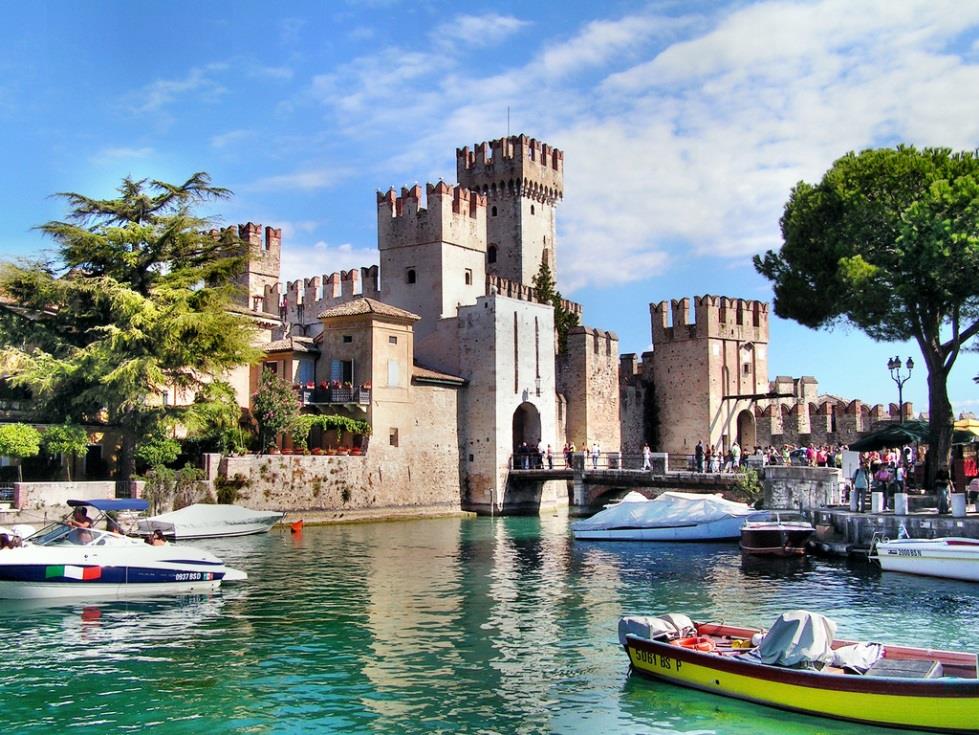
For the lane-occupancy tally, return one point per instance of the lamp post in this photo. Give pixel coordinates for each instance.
(894, 365)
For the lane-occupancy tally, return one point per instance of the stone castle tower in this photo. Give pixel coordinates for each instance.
(523, 180)
(264, 257)
(709, 371)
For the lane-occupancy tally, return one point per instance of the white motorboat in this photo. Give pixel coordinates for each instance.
(64, 560)
(673, 516)
(950, 557)
(203, 520)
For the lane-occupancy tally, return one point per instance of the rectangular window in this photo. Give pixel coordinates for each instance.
(393, 437)
(348, 338)
(342, 370)
(392, 340)
(747, 368)
(394, 374)
(305, 373)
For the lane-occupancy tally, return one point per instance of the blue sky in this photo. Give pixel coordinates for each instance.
(684, 127)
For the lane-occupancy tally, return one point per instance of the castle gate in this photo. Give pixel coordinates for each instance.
(526, 425)
(746, 430)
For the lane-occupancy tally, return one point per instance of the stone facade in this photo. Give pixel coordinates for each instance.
(710, 378)
(449, 333)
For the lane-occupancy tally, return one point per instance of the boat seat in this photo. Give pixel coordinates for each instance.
(906, 668)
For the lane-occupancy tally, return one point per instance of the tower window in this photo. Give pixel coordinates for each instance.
(410, 276)
(532, 209)
(393, 436)
(493, 211)
(469, 277)
(491, 254)
(348, 338)
(747, 368)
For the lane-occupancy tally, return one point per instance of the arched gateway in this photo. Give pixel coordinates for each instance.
(526, 426)
(746, 431)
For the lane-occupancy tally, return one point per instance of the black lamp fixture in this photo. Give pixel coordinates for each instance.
(894, 365)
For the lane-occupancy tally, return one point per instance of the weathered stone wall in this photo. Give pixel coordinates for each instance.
(589, 379)
(801, 487)
(35, 495)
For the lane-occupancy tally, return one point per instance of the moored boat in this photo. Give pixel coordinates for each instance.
(799, 665)
(65, 559)
(778, 535)
(210, 520)
(672, 516)
(950, 557)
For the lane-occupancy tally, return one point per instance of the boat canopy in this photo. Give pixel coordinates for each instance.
(104, 504)
(669, 509)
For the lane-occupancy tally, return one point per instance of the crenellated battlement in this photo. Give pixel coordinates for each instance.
(516, 290)
(305, 298)
(514, 165)
(451, 214)
(714, 317)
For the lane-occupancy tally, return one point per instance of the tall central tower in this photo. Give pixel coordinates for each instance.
(523, 180)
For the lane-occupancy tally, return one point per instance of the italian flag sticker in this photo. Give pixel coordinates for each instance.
(72, 572)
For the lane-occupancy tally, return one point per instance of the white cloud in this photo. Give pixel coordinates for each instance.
(162, 92)
(223, 140)
(318, 178)
(477, 31)
(122, 153)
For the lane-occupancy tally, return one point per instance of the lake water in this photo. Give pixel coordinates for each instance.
(437, 626)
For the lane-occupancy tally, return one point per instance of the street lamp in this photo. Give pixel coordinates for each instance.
(894, 365)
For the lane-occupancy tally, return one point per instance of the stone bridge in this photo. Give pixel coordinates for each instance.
(589, 488)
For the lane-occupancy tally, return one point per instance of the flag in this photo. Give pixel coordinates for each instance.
(84, 574)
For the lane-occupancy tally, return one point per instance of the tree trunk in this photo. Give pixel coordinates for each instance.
(127, 455)
(940, 419)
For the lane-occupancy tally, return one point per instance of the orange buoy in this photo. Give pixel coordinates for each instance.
(297, 526)
(697, 643)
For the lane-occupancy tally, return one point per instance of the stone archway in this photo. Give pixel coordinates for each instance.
(746, 431)
(526, 427)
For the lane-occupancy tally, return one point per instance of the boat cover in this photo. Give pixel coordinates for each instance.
(205, 516)
(669, 509)
(665, 627)
(798, 638)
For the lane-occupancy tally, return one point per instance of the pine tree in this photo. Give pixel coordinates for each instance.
(136, 301)
(564, 319)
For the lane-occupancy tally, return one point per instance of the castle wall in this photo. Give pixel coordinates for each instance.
(632, 395)
(589, 378)
(504, 345)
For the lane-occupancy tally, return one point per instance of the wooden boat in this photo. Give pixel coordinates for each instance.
(952, 558)
(776, 536)
(904, 687)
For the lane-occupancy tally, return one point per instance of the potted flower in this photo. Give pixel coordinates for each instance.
(273, 450)
(343, 451)
(355, 452)
(317, 451)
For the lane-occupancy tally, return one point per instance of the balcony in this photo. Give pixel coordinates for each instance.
(310, 395)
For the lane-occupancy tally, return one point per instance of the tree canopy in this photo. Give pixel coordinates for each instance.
(68, 439)
(19, 441)
(888, 241)
(134, 303)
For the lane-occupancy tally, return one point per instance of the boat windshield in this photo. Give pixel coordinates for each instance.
(62, 534)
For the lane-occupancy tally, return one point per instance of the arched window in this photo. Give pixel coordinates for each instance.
(410, 275)
(491, 254)
(469, 277)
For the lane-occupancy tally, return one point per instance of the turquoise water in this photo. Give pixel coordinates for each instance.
(437, 626)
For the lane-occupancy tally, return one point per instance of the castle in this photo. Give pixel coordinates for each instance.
(447, 352)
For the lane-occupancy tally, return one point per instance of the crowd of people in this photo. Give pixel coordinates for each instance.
(710, 459)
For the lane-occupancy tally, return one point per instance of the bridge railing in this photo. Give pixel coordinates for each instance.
(578, 460)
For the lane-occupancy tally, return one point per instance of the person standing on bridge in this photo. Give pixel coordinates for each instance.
(595, 453)
(550, 457)
(647, 456)
(698, 454)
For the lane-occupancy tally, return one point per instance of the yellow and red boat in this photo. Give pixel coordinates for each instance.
(878, 684)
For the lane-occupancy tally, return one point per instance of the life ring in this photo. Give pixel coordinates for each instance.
(696, 643)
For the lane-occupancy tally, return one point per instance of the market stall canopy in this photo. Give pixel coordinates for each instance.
(912, 432)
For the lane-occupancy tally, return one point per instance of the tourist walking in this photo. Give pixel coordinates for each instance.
(550, 458)
(647, 456)
(861, 481)
(735, 456)
(698, 454)
(595, 452)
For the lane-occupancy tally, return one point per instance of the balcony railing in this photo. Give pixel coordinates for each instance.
(319, 394)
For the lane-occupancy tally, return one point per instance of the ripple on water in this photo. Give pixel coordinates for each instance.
(446, 625)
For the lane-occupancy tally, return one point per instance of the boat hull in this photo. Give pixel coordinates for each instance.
(775, 541)
(951, 558)
(725, 529)
(57, 590)
(942, 705)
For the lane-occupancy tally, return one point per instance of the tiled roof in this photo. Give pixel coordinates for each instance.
(291, 344)
(428, 375)
(365, 305)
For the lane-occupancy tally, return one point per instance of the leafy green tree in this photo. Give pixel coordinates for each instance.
(19, 441)
(69, 440)
(135, 301)
(214, 419)
(888, 241)
(547, 293)
(157, 451)
(275, 407)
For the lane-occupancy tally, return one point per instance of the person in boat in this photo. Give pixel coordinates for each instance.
(81, 522)
(5, 541)
(112, 525)
(156, 538)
